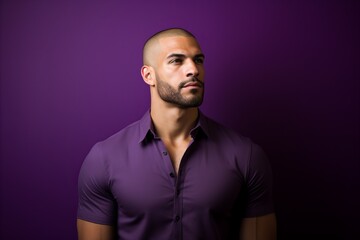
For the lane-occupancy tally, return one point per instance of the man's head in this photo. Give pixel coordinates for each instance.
(173, 68)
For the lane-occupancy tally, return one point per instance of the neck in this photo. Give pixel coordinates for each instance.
(173, 124)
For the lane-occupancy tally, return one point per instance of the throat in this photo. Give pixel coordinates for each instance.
(176, 152)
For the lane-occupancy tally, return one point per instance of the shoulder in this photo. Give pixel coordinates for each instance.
(107, 151)
(129, 135)
(247, 154)
(224, 134)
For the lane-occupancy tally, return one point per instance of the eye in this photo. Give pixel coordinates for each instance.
(176, 61)
(199, 60)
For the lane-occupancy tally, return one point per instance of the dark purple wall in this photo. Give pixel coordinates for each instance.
(285, 73)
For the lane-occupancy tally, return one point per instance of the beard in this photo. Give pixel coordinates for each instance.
(172, 95)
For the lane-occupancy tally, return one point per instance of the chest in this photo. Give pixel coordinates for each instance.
(205, 180)
(176, 153)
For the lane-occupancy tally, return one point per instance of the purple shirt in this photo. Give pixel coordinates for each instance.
(128, 180)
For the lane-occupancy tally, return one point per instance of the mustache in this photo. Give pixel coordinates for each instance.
(193, 79)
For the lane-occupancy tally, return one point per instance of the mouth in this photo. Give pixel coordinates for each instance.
(193, 83)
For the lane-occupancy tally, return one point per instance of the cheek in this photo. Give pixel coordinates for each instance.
(201, 72)
(200, 68)
(165, 74)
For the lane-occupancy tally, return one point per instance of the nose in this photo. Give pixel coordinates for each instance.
(192, 69)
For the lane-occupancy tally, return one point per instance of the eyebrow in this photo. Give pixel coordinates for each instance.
(179, 55)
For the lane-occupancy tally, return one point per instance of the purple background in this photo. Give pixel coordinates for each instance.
(284, 73)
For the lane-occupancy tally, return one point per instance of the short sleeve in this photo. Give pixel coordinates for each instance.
(96, 203)
(259, 180)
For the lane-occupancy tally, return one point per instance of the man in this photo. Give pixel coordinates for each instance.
(175, 174)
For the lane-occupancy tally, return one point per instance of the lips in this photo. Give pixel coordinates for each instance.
(192, 85)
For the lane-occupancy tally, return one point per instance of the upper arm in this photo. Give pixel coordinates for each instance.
(259, 222)
(258, 194)
(92, 231)
(96, 202)
(258, 228)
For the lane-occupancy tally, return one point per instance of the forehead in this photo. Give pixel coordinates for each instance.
(178, 44)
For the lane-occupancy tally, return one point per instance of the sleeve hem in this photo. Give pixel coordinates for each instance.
(94, 219)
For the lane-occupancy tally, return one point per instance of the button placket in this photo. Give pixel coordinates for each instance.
(176, 182)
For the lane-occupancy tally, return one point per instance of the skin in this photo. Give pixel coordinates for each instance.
(259, 228)
(173, 69)
(92, 231)
(177, 61)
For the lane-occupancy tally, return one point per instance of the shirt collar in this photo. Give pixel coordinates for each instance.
(147, 130)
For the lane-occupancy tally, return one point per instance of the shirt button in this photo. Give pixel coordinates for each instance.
(165, 153)
(177, 218)
(172, 174)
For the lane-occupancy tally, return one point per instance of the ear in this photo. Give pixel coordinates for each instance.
(148, 74)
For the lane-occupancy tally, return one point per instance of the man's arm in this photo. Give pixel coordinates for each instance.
(258, 228)
(92, 231)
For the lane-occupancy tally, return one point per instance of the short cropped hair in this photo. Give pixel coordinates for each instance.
(164, 33)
